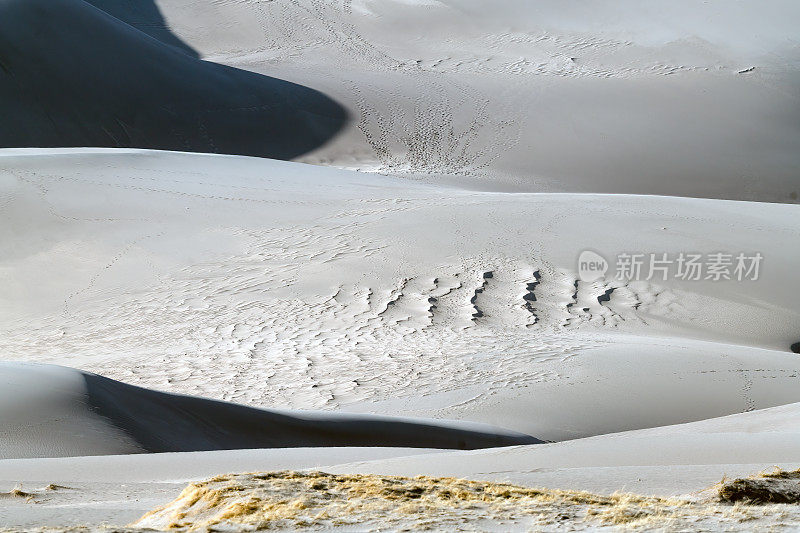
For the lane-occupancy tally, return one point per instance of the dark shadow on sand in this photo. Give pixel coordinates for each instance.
(162, 422)
(145, 16)
(73, 75)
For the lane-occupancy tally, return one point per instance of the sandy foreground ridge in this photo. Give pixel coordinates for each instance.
(371, 265)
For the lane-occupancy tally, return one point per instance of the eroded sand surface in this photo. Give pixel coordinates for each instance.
(290, 286)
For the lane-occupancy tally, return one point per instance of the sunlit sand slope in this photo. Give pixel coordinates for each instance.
(639, 97)
(292, 286)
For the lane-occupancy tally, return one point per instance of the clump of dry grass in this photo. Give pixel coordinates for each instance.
(17, 492)
(772, 486)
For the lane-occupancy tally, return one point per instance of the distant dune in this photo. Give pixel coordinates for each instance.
(609, 96)
(72, 75)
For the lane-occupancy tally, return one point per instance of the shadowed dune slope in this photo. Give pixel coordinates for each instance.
(53, 411)
(162, 422)
(97, 81)
(145, 16)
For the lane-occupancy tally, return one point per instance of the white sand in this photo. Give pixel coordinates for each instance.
(289, 286)
(614, 96)
(44, 413)
(433, 274)
(270, 285)
(669, 460)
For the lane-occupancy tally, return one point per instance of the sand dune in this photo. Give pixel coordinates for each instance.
(85, 414)
(44, 413)
(96, 81)
(670, 460)
(145, 16)
(604, 96)
(284, 285)
(661, 99)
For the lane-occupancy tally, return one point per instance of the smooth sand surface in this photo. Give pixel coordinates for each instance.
(681, 98)
(669, 460)
(44, 413)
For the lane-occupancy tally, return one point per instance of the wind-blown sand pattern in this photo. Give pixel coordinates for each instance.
(308, 288)
(343, 236)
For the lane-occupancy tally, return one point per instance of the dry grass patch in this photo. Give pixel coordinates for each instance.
(772, 486)
(293, 500)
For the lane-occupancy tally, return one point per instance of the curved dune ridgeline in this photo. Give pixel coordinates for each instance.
(98, 81)
(162, 422)
(53, 411)
(145, 16)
